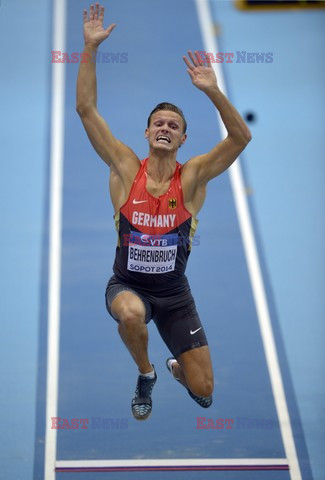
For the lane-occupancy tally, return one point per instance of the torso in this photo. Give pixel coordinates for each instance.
(193, 197)
(150, 223)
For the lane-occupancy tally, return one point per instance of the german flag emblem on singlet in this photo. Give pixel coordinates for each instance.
(172, 203)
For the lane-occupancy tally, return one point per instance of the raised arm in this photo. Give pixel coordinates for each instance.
(111, 150)
(209, 165)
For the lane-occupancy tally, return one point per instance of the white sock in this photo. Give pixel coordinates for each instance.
(148, 375)
(171, 363)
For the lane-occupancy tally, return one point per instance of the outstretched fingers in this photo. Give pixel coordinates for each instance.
(197, 60)
(91, 12)
(188, 63)
(96, 11)
(101, 14)
(194, 58)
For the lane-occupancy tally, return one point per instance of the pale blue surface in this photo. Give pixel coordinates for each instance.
(24, 125)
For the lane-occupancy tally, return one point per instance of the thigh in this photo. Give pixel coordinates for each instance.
(122, 300)
(196, 363)
(179, 324)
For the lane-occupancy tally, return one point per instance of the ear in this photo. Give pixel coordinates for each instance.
(146, 133)
(183, 140)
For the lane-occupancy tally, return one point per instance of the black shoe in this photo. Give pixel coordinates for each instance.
(141, 402)
(204, 402)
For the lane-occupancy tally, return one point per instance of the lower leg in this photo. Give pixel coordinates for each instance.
(130, 312)
(194, 370)
(178, 373)
(135, 338)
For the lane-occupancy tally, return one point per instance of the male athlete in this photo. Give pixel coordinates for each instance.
(156, 202)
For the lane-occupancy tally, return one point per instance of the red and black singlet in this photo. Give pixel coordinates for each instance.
(154, 234)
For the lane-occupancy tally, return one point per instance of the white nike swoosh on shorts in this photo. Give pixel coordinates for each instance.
(194, 331)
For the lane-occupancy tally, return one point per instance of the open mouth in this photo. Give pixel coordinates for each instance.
(163, 138)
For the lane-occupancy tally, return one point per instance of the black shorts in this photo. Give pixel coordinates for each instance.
(173, 311)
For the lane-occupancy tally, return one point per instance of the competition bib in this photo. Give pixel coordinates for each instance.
(152, 253)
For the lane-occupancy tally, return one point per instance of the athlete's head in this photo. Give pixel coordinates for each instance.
(166, 127)
(171, 108)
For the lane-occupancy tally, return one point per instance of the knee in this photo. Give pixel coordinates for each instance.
(202, 387)
(131, 318)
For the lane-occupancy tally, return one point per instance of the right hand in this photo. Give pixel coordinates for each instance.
(94, 32)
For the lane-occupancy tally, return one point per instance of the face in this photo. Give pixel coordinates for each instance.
(165, 131)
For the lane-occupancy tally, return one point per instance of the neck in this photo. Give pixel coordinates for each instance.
(161, 165)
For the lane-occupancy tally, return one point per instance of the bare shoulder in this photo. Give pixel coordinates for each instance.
(191, 167)
(189, 174)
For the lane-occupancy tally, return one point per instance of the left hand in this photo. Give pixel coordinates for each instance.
(203, 77)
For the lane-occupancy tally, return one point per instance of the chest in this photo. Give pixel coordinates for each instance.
(157, 189)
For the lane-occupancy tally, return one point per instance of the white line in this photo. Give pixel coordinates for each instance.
(210, 45)
(54, 279)
(163, 462)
